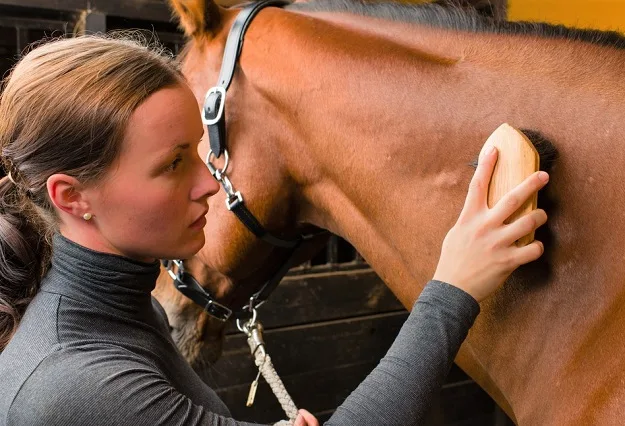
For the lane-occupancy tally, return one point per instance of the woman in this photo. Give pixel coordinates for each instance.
(99, 140)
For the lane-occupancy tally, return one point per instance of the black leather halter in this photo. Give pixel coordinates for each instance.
(214, 102)
(213, 115)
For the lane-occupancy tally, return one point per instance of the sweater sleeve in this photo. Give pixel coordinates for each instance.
(399, 390)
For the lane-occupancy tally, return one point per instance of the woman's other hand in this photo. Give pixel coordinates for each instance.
(304, 418)
(479, 253)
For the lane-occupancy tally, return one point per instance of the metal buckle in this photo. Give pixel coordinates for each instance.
(217, 310)
(222, 103)
(212, 307)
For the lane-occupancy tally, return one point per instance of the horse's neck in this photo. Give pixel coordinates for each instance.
(391, 150)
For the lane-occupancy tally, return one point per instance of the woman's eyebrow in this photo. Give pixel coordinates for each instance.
(165, 155)
(181, 146)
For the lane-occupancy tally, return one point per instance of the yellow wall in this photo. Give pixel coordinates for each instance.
(600, 14)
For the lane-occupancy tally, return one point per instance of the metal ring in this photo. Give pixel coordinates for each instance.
(241, 328)
(227, 161)
(244, 328)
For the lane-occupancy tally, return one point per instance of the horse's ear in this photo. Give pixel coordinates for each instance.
(198, 18)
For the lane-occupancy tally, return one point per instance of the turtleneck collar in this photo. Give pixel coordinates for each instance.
(108, 282)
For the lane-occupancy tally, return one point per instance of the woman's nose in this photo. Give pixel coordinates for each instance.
(206, 185)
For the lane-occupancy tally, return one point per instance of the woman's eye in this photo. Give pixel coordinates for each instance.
(174, 164)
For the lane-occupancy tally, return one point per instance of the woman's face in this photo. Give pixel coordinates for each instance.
(152, 202)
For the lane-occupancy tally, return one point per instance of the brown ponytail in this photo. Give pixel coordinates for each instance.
(64, 109)
(24, 254)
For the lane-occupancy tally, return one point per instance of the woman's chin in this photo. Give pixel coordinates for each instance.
(190, 248)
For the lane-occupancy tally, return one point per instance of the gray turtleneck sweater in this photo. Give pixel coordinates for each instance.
(94, 349)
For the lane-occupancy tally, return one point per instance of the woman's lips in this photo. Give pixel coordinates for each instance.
(200, 222)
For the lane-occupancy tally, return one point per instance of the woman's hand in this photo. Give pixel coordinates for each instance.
(479, 253)
(304, 418)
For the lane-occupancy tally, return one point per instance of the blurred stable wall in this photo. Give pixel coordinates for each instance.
(23, 22)
(598, 14)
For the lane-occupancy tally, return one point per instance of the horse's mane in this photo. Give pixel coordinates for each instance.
(460, 19)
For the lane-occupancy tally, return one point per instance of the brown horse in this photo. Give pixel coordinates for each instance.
(362, 120)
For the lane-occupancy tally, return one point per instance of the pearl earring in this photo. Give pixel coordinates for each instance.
(87, 216)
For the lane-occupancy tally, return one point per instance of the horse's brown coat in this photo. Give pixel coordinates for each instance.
(365, 127)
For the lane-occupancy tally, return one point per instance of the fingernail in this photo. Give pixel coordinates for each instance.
(543, 176)
(489, 150)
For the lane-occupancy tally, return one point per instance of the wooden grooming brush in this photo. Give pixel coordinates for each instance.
(517, 160)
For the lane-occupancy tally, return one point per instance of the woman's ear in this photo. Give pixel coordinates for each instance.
(66, 193)
(198, 18)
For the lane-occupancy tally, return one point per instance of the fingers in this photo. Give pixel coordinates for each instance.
(299, 421)
(529, 253)
(523, 226)
(514, 199)
(304, 418)
(478, 189)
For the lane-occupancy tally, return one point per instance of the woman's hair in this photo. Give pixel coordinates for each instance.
(64, 109)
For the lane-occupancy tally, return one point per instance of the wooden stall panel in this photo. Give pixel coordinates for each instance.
(304, 299)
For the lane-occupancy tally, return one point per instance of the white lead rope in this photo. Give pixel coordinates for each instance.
(253, 330)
